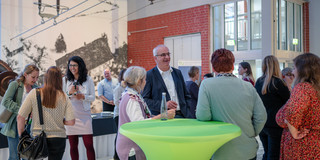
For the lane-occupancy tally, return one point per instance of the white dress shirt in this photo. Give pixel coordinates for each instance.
(168, 80)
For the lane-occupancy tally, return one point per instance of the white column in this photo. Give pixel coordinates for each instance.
(268, 37)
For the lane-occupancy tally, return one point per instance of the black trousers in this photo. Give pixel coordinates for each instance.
(132, 157)
(107, 107)
(115, 156)
(271, 140)
(56, 148)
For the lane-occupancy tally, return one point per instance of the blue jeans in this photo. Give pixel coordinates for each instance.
(13, 144)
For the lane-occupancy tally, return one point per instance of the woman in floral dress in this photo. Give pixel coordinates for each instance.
(300, 116)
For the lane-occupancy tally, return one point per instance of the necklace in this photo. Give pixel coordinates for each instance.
(226, 75)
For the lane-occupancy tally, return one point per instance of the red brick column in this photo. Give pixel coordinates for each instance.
(306, 45)
(147, 33)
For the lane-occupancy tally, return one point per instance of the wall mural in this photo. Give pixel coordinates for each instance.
(35, 31)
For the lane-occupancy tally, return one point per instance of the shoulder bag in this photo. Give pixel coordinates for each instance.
(5, 114)
(34, 148)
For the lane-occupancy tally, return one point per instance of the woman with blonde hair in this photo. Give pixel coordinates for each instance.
(133, 108)
(15, 94)
(57, 112)
(274, 93)
(300, 116)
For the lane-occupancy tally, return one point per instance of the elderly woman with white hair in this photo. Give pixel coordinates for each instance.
(133, 108)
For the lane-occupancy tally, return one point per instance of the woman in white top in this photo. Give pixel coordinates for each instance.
(80, 89)
(116, 99)
(133, 108)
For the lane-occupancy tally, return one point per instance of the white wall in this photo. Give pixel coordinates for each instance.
(314, 23)
(162, 6)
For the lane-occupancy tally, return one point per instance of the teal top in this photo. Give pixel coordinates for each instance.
(232, 100)
(10, 128)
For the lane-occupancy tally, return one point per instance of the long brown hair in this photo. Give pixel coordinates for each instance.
(52, 87)
(270, 67)
(28, 69)
(248, 73)
(308, 69)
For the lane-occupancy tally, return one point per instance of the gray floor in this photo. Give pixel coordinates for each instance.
(259, 153)
(260, 150)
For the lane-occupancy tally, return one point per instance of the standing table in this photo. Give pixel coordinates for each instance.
(173, 139)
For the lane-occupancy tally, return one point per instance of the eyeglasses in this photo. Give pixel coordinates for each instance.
(164, 55)
(290, 75)
(73, 65)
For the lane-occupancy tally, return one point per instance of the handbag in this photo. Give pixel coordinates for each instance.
(5, 114)
(34, 148)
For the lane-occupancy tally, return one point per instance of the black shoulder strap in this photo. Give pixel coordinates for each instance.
(39, 106)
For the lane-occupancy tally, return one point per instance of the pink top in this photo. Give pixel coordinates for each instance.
(249, 80)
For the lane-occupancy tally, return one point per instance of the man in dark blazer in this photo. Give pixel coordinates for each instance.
(164, 78)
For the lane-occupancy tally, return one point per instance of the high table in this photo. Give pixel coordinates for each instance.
(186, 139)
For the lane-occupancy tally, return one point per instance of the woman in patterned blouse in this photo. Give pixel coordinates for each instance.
(300, 116)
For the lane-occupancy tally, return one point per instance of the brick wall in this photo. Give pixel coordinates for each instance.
(147, 33)
(306, 45)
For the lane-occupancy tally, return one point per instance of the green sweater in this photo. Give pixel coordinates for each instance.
(232, 100)
(10, 128)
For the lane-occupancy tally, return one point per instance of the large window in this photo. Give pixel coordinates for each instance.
(237, 25)
(229, 26)
(256, 26)
(242, 25)
(289, 26)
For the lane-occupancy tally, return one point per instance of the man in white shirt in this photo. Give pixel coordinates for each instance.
(105, 90)
(164, 78)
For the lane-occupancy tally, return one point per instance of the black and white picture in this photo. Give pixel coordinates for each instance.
(47, 33)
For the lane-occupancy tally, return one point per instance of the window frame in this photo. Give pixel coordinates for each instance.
(278, 26)
(249, 25)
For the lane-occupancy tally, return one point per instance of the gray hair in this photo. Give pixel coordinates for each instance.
(286, 71)
(133, 75)
(155, 50)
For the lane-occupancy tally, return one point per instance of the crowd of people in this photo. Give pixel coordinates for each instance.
(281, 107)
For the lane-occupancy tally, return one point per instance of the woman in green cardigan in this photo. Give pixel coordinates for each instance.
(20, 88)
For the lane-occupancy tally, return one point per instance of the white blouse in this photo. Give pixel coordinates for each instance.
(87, 89)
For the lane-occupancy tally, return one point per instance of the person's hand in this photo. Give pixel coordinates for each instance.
(73, 90)
(106, 101)
(111, 102)
(80, 96)
(172, 105)
(171, 113)
(297, 134)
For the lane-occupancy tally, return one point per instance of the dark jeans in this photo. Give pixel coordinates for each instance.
(107, 107)
(56, 148)
(115, 156)
(132, 158)
(271, 139)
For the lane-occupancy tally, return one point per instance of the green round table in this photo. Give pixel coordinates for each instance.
(175, 139)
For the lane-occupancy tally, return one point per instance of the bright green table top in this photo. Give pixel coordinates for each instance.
(179, 138)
